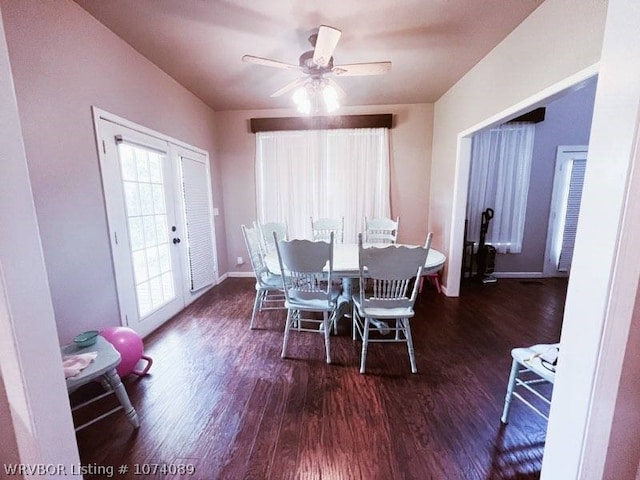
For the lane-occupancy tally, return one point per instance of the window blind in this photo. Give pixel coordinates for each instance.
(576, 181)
(199, 231)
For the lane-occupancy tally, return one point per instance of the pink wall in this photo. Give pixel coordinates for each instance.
(64, 62)
(410, 145)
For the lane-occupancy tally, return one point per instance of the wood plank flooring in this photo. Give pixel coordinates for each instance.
(220, 398)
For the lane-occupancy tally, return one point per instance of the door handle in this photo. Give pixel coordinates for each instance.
(176, 241)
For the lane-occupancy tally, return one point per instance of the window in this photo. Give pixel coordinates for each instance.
(146, 211)
(322, 173)
(500, 170)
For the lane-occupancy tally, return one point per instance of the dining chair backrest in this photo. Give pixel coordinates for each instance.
(427, 242)
(381, 230)
(387, 275)
(323, 227)
(267, 230)
(254, 247)
(306, 268)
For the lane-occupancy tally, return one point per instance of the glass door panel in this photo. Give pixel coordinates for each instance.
(146, 215)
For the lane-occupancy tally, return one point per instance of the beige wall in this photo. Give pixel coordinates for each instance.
(64, 61)
(558, 39)
(410, 144)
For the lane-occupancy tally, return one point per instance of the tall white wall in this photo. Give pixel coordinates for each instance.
(555, 47)
(604, 277)
(36, 419)
(560, 38)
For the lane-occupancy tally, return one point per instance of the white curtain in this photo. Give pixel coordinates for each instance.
(500, 171)
(322, 173)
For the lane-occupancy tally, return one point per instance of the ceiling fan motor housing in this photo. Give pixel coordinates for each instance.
(309, 66)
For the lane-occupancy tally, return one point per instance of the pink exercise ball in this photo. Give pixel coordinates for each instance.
(128, 343)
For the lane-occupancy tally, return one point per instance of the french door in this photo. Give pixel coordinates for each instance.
(158, 204)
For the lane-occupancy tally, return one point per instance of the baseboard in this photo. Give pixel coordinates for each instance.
(517, 274)
(241, 275)
(223, 277)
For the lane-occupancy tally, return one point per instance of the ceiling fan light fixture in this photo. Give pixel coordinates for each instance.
(317, 96)
(330, 96)
(301, 99)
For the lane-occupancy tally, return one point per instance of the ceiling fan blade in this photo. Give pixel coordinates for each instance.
(269, 63)
(338, 88)
(290, 86)
(373, 68)
(325, 45)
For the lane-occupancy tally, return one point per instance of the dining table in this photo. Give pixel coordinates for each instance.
(346, 265)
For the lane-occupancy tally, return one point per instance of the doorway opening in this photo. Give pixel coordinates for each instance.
(568, 120)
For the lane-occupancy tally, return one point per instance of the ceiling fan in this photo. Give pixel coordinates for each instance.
(317, 66)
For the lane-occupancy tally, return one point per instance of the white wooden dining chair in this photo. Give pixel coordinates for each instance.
(323, 227)
(433, 277)
(533, 369)
(306, 268)
(266, 234)
(381, 230)
(269, 294)
(388, 289)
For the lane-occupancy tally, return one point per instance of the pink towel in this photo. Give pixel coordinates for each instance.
(73, 364)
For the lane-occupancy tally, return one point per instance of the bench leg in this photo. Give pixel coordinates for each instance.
(118, 388)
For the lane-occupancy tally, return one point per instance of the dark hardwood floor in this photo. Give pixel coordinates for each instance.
(220, 398)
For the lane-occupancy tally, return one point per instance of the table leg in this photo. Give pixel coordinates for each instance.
(118, 388)
(347, 288)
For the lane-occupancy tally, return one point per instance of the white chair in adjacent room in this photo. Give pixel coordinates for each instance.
(269, 294)
(533, 373)
(381, 230)
(266, 234)
(306, 268)
(323, 227)
(388, 289)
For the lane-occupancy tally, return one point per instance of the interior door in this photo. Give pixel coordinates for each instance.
(565, 209)
(146, 234)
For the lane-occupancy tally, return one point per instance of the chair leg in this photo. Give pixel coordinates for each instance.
(515, 366)
(256, 304)
(365, 344)
(412, 354)
(287, 326)
(435, 279)
(354, 319)
(327, 335)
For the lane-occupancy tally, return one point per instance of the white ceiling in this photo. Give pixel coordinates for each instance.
(200, 43)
